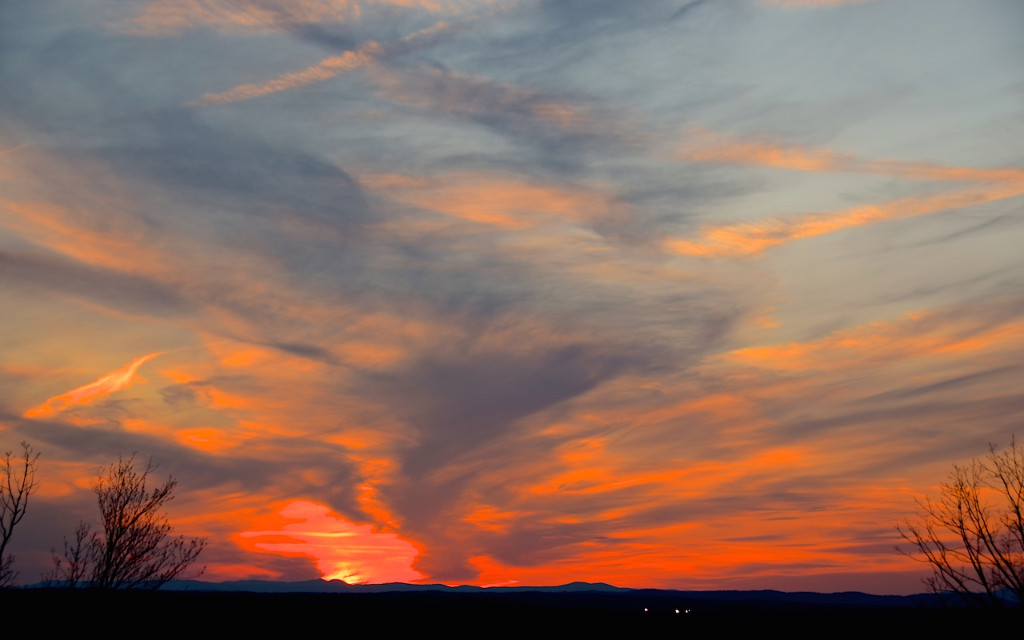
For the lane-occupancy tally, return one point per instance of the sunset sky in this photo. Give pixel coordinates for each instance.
(678, 294)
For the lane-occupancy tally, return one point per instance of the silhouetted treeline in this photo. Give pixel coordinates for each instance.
(167, 613)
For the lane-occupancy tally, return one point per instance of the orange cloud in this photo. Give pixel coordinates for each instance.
(92, 218)
(112, 382)
(707, 146)
(745, 239)
(329, 67)
(159, 18)
(163, 18)
(54, 226)
(917, 335)
(495, 200)
(342, 550)
(325, 70)
(629, 546)
(703, 145)
(738, 240)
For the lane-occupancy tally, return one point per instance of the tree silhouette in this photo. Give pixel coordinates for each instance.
(17, 482)
(972, 535)
(136, 547)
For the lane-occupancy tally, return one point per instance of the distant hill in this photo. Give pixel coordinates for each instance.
(339, 586)
(846, 598)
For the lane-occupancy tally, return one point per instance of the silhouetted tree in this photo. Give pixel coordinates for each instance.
(972, 535)
(136, 547)
(73, 569)
(18, 478)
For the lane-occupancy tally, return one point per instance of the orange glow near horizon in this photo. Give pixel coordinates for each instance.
(343, 551)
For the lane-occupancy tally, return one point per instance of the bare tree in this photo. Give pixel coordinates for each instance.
(18, 478)
(972, 535)
(72, 569)
(136, 547)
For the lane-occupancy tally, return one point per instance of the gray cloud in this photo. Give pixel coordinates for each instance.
(130, 292)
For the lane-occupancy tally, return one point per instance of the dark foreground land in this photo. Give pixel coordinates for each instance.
(650, 613)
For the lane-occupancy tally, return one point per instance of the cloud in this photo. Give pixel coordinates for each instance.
(159, 18)
(162, 18)
(739, 240)
(324, 70)
(335, 66)
(465, 404)
(745, 239)
(509, 202)
(894, 381)
(343, 550)
(130, 293)
(810, 4)
(639, 464)
(550, 131)
(506, 105)
(917, 335)
(706, 146)
(88, 394)
(234, 173)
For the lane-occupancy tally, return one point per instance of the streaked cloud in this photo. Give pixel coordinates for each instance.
(918, 335)
(162, 18)
(736, 240)
(481, 99)
(703, 145)
(498, 200)
(335, 66)
(810, 4)
(324, 70)
(86, 394)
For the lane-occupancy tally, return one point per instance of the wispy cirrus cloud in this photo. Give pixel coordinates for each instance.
(335, 66)
(752, 238)
(483, 99)
(748, 239)
(167, 18)
(704, 145)
(494, 199)
(86, 394)
(916, 336)
(810, 4)
(324, 70)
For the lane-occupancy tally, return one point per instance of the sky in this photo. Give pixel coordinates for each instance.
(692, 294)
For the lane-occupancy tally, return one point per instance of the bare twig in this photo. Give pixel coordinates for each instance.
(973, 534)
(17, 482)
